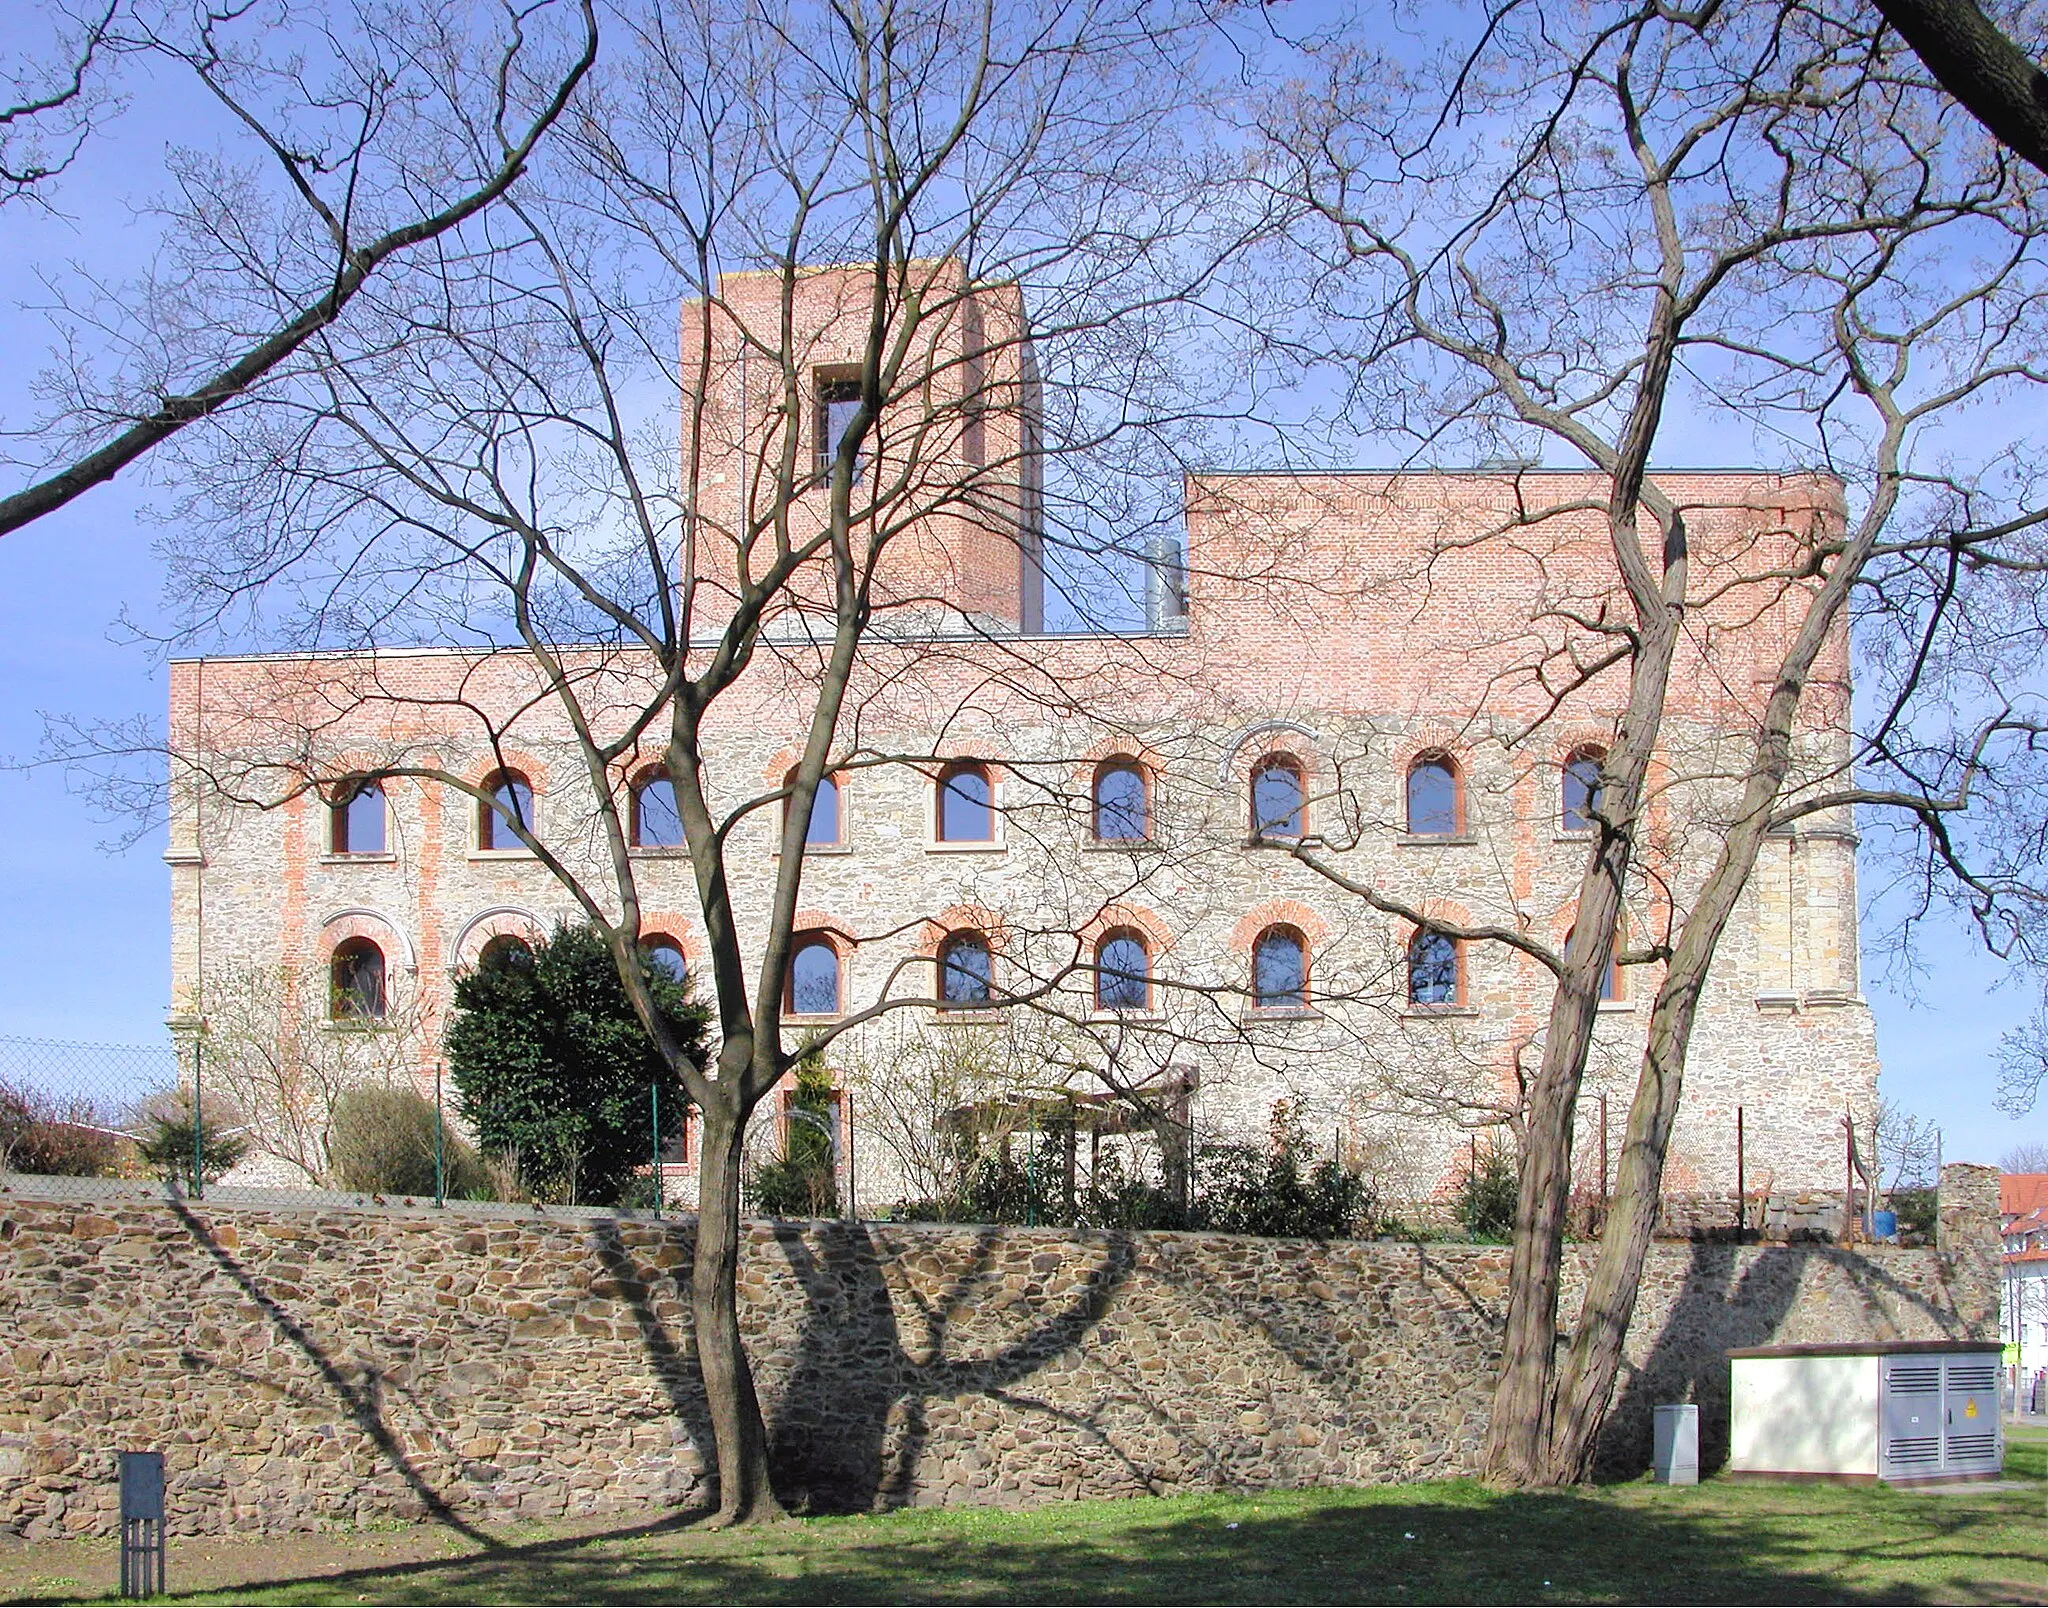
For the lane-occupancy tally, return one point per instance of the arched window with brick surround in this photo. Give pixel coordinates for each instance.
(1279, 797)
(1279, 970)
(964, 809)
(656, 823)
(665, 955)
(826, 828)
(355, 821)
(511, 799)
(1436, 969)
(1610, 978)
(966, 970)
(1123, 971)
(1436, 797)
(1580, 788)
(356, 982)
(504, 951)
(815, 977)
(1123, 805)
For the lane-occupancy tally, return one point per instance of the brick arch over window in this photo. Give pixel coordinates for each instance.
(531, 767)
(1157, 935)
(359, 921)
(1278, 913)
(500, 921)
(961, 918)
(1246, 746)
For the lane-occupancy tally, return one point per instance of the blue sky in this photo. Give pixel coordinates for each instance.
(84, 948)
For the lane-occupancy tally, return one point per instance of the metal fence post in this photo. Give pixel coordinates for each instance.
(846, 1112)
(654, 1103)
(440, 1164)
(198, 1124)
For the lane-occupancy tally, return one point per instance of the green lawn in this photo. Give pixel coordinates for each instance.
(1449, 1542)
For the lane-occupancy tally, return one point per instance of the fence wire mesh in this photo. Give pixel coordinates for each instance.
(83, 1120)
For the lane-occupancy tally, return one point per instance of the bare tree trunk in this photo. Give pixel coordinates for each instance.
(744, 1490)
(1524, 1402)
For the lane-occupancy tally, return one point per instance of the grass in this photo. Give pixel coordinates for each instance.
(1447, 1542)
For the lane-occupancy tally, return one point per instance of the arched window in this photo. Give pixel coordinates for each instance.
(966, 970)
(1279, 798)
(503, 951)
(813, 978)
(1435, 975)
(1433, 802)
(356, 982)
(1581, 789)
(1123, 972)
(657, 823)
(1610, 978)
(511, 800)
(966, 805)
(823, 828)
(355, 823)
(1122, 809)
(1279, 970)
(665, 955)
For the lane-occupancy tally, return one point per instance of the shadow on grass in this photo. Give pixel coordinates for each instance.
(1455, 1542)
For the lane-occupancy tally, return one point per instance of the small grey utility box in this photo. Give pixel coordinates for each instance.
(1675, 1449)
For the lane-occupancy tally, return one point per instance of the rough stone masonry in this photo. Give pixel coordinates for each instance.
(302, 1367)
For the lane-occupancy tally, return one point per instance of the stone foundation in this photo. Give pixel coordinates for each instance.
(307, 1367)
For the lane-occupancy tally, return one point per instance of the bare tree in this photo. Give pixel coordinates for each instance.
(274, 1054)
(1748, 214)
(381, 132)
(2031, 1157)
(485, 457)
(49, 110)
(2001, 85)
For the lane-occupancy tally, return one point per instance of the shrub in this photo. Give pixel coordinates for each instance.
(380, 1141)
(40, 1133)
(166, 1144)
(1918, 1210)
(1485, 1204)
(801, 1182)
(1281, 1190)
(552, 1067)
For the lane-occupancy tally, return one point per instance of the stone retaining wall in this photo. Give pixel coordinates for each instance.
(303, 1367)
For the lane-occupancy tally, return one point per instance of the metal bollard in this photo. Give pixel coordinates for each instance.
(143, 1546)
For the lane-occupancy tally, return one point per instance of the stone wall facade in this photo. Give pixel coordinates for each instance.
(1384, 639)
(301, 1368)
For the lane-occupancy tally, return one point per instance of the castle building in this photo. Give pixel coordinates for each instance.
(1382, 675)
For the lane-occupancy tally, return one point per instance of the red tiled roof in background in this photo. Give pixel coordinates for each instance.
(2022, 1192)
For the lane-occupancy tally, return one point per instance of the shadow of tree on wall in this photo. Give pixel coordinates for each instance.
(673, 1362)
(360, 1398)
(1724, 1305)
(891, 1341)
(850, 1425)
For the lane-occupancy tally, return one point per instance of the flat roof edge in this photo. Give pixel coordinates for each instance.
(1868, 1348)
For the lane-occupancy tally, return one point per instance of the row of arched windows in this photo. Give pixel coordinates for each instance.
(1122, 971)
(1433, 795)
(1123, 979)
(964, 805)
(357, 971)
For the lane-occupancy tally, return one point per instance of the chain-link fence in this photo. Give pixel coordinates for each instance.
(201, 1121)
(71, 1110)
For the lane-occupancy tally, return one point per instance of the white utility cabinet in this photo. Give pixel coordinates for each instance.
(1890, 1410)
